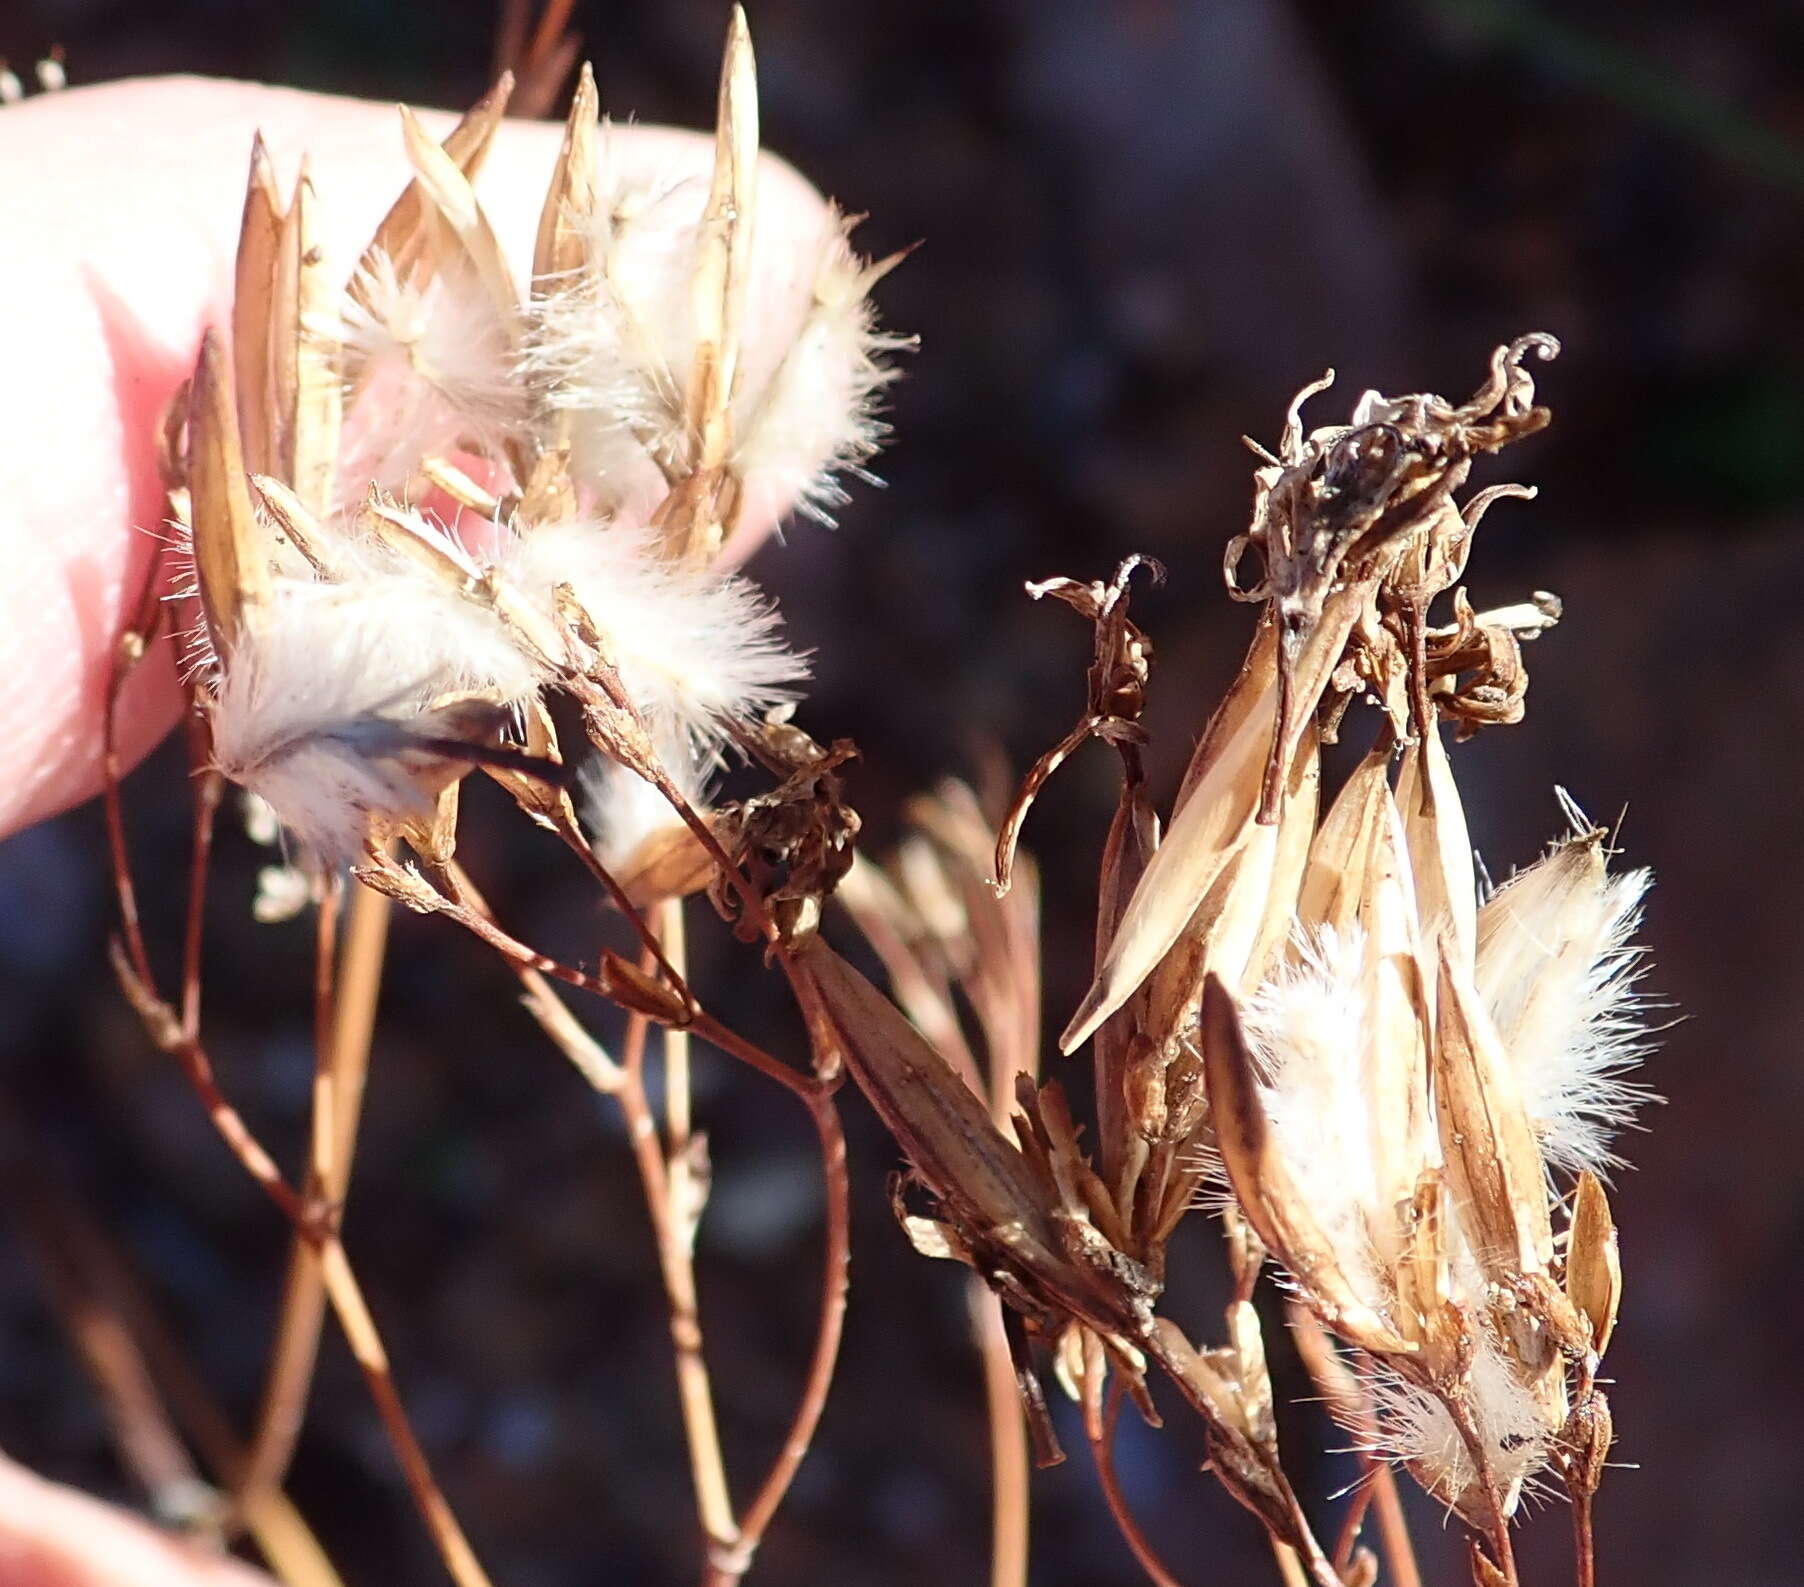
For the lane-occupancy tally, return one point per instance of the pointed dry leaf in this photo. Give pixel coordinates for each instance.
(1423, 1272)
(433, 836)
(546, 802)
(640, 993)
(448, 191)
(724, 249)
(1395, 1060)
(1196, 850)
(283, 330)
(1249, 738)
(1290, 860)
(693, 518)
(1252, 1377)
(936, 1118)
(295, 524)
(1335, 882)
(1200, 1373)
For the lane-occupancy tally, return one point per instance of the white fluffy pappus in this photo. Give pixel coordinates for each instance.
(315, 708)
(1307, 1028)
(1557, 972)
(1416, 1429)
(433, 371)
(617, 351)
(815, 419)
(621, 809)
(696, 650)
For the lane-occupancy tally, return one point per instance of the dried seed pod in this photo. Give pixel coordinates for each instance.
(561, 251)
(1334, 886)
(1593, 1263)
(1440, 851)
(1493, 1161)
(1394, 1061)
(230, 560)
(1029, 1240)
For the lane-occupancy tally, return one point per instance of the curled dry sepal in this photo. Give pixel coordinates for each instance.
(417, 502)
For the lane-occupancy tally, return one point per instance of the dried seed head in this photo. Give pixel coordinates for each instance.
(614, 352)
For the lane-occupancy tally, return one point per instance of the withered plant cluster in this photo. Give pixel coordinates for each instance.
(427, 524)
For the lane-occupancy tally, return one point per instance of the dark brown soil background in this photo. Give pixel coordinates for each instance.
(1145, 224)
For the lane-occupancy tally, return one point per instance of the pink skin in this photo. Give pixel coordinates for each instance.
(120, 210)
(120, 206)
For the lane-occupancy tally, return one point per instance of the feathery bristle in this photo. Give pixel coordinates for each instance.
(696, 650)
(1416, 1428)
(1558, 972)
(1307, 1028)
(432, 372)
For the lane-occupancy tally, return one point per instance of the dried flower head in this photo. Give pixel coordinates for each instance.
(356, 652)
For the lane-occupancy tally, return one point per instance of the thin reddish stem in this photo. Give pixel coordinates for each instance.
(1583, 1539)
(835, 1271)
(1099, 1427)
(1353, 1521)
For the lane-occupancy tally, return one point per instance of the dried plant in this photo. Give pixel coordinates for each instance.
(418, 510)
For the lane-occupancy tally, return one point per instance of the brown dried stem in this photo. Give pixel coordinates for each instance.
(695, 1393)
(1009, 1465)
(1099, 1428)
(346, 987)
(732, 1546)
(183, 1044)
(1350, 1402)
(1584, 1540)
(836, 1256)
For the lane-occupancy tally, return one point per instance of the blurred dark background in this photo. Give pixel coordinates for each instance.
(1145, 225)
